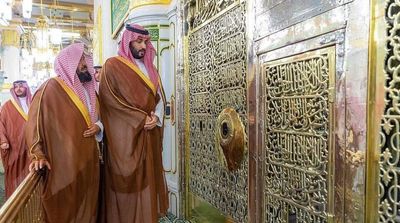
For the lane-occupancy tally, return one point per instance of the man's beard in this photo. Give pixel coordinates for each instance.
(136, 54)
(84, 77)
(21, 95)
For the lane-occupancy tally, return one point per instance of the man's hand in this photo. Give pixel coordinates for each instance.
(4, 146)
(151, 121)
(91, 131)
(39, 164)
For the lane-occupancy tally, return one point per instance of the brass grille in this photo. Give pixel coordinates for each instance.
(389, 175)
(217, 80)
(297, 100)
(24, 205)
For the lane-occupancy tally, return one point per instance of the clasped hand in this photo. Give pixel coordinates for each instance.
(4, 146)
(151, 121)
(92, 130)
(39, 164)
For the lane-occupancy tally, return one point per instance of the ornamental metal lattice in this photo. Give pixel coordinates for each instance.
(217, 80)
(389, 190)
(297, 100)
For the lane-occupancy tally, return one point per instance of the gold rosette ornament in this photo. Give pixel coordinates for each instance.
(230, 139)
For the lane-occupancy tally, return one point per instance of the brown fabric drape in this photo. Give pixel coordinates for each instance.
(55, 131)
(15, 159)
(134, 181)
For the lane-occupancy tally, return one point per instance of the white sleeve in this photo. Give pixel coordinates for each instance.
(99, 135)
(159, 112)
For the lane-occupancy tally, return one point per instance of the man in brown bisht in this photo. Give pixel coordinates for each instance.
(132, 108)
(14, 152)
(61, 134)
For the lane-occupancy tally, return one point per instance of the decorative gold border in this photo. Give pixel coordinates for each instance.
(162, 90)
(332, 121)
(37, 123)
(134, 6)
(136, 109)
(331, 51)
(19, 109)
(187, 126)
(215, 16)
(375, 76)
(119, 26)
(118, 99)
(98, 47)
(75, 99)
(139, 73)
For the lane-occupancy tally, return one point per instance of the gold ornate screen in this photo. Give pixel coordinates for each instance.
(298, 96)
(389, 155)
(217, 80)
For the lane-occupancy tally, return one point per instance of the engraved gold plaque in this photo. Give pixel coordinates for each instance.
(299, 135)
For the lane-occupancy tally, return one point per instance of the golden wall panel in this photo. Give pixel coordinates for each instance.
(376, 105)
(10, 38)
(298, 96)
(385, 85)
(217, 80)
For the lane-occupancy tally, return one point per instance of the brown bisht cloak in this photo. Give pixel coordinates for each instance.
(57, 120)
(15, 159)
(135, 187)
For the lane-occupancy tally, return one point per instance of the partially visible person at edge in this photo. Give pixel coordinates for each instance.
(62, 134)
(97, 71)
(14, 152)
(132, 107)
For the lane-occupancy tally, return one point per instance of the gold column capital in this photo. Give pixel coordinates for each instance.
(10, 38)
